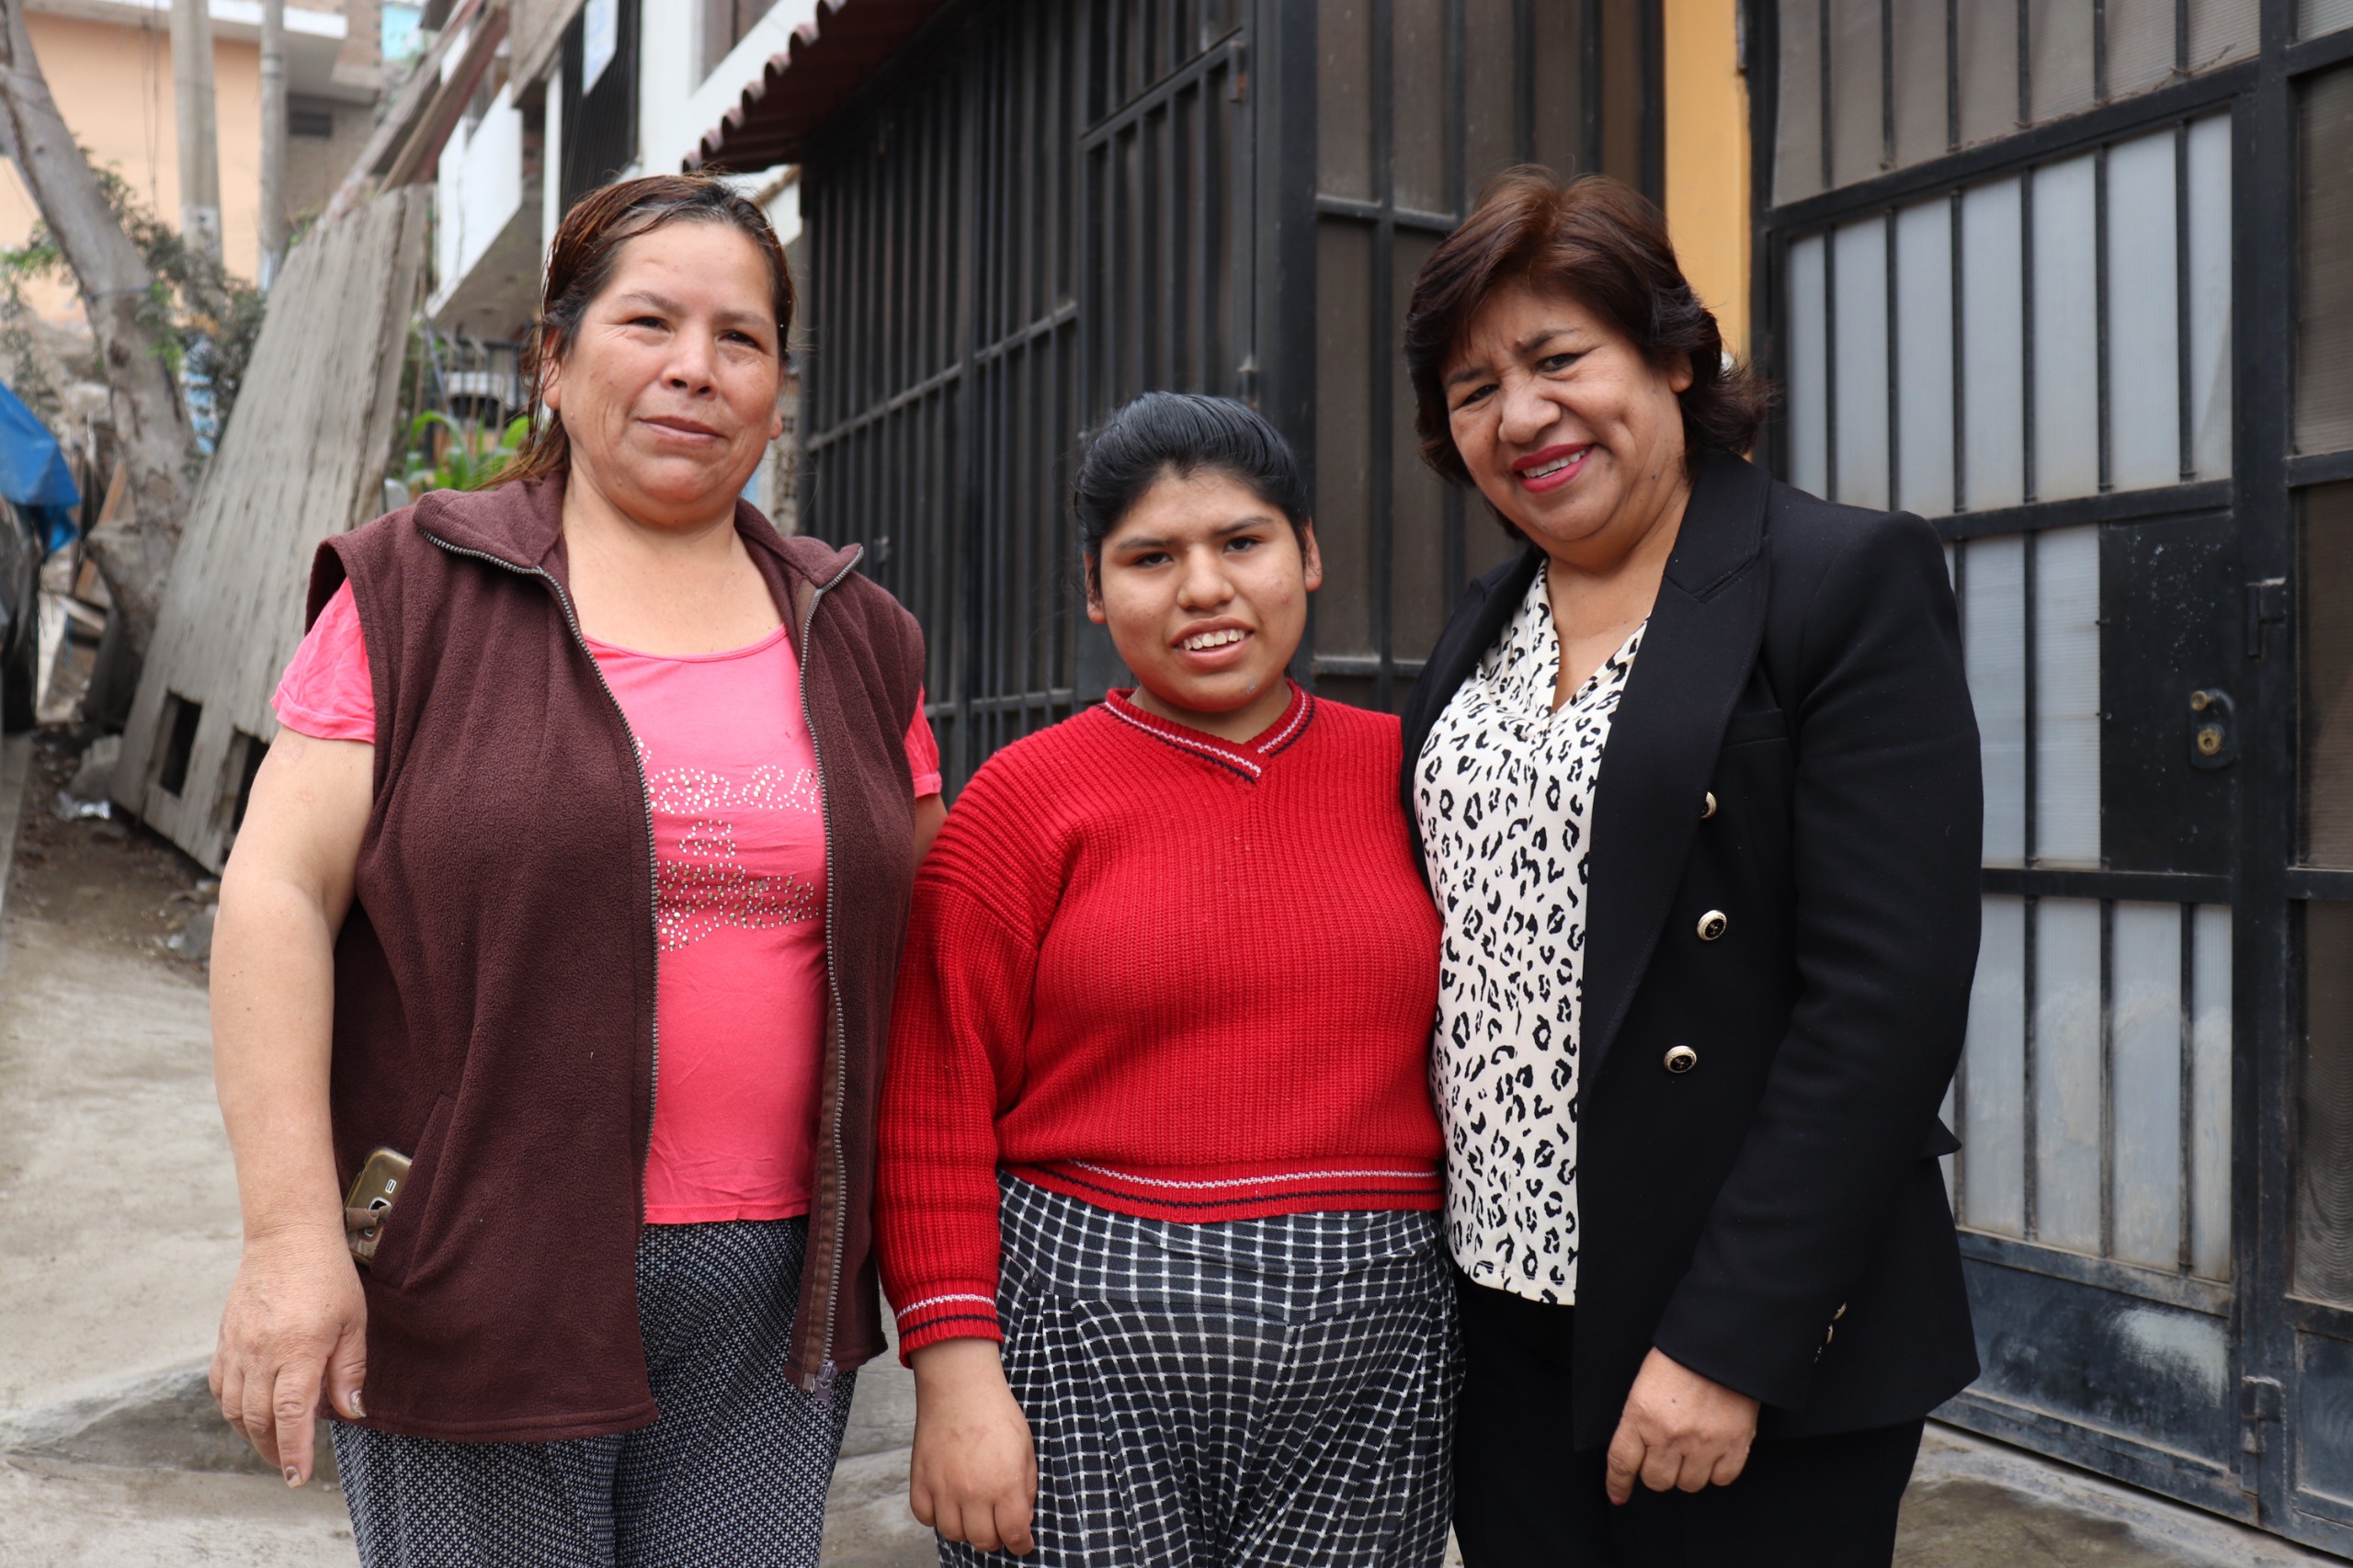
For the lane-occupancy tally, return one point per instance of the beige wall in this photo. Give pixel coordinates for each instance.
(114, 86)
(1707, 157)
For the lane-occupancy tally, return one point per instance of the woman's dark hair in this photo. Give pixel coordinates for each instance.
(1602, 242)
(587, 247)
(1167, 435)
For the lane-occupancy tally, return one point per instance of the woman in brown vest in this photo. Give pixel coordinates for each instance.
(576, 880)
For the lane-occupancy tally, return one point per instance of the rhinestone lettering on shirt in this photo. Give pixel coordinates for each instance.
(705, 885)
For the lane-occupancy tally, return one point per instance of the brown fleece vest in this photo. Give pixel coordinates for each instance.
(496, 978)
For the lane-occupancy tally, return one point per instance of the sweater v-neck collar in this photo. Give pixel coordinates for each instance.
(1247, 760)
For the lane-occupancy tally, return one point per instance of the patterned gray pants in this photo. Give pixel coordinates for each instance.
(734, 1471)
(1262, 1392)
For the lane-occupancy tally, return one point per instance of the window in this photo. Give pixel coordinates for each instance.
(724, 23)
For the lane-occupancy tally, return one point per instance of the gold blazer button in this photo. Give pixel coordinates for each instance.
(1713, 924)
(1707, 805)
(1681, 1059)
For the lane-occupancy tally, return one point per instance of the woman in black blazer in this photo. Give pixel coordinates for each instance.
(1696, 779)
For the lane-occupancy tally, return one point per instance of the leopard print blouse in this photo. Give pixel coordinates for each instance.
(1504, 792)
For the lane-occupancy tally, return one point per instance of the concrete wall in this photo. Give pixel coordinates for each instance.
(1707, 157)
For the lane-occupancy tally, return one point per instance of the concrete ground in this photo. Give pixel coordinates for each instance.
(119, 1236)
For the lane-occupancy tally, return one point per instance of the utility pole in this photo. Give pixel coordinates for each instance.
(273, 140)
(192, 100)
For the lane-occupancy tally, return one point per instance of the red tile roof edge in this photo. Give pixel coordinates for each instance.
(829, 58)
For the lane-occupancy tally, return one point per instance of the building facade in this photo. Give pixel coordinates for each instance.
(2073, 280)
(1017, 215)
(109, 64)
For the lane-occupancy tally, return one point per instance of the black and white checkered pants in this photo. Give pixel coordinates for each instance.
(734, 1472)
(1261, 1392)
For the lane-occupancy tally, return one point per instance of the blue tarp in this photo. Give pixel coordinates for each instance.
(33, 472)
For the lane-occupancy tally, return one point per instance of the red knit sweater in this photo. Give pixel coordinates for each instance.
(1166, 975)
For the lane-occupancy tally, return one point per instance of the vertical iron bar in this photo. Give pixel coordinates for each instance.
(2099, 51)
(1822, 91)
(2186, 430)
(2031, 630)
(1830, 361)
(1590, 84)
(1894, 390)
(2188, 1118)
(1523, 120)
(1653, 118)
(2030, 1129)
(1961, 1069)
(1886, 86)
(961, 415)
(2099, 312)
(2027, 477)
(1380, 493)
(1453, 549)
(1960, 367)
(1952, 77)
(2108, 1078)
(2026, 63)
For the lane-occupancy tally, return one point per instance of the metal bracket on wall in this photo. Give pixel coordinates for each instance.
(2267, 604)
(2259, 1402)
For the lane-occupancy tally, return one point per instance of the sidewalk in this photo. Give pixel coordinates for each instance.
(119, 1236)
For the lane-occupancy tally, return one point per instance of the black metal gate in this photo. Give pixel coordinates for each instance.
(1044, 208)
(2039, 271)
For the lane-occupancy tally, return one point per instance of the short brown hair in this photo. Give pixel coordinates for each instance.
(587, 247)
(1601, 241)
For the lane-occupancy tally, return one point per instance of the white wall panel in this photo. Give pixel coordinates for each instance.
(1993, 357)
(2066, 332)
(2144, 1083)
(1994, 652)
(1993, 1108)
(2066, 697)
(1858, 368)
(1809, 367)
(2314, 18)
(2209, 1141)
(2210, 296)
(1924, 357)
(2066, 1074)
(2143, 325)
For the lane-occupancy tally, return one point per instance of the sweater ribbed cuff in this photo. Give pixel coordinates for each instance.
(949, 1314)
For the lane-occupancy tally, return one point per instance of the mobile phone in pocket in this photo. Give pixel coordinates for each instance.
(373, 1193)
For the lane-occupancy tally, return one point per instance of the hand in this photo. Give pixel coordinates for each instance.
(296, 1322)
(974, 1474)
(1679, 1430)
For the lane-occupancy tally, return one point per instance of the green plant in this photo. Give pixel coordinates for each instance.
(446, 455)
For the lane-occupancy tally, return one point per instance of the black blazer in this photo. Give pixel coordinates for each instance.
(1802, 664)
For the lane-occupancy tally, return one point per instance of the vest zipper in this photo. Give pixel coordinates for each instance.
(826, 1372)
(653, 846)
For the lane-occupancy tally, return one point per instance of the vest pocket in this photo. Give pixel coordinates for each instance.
(397, 1250)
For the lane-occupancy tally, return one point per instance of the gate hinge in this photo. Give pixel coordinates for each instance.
(1241, 58)
(2259, 1400)
(2267, 605)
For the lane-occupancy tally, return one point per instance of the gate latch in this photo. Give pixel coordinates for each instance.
(2267, 605)
(2259, 1402)
(2214, 729)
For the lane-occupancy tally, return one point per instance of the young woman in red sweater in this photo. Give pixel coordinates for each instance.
(1160, 1174)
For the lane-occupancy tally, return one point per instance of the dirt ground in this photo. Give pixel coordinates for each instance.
(109, 880)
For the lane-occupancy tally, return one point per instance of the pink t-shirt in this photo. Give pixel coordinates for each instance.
(741, 885)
